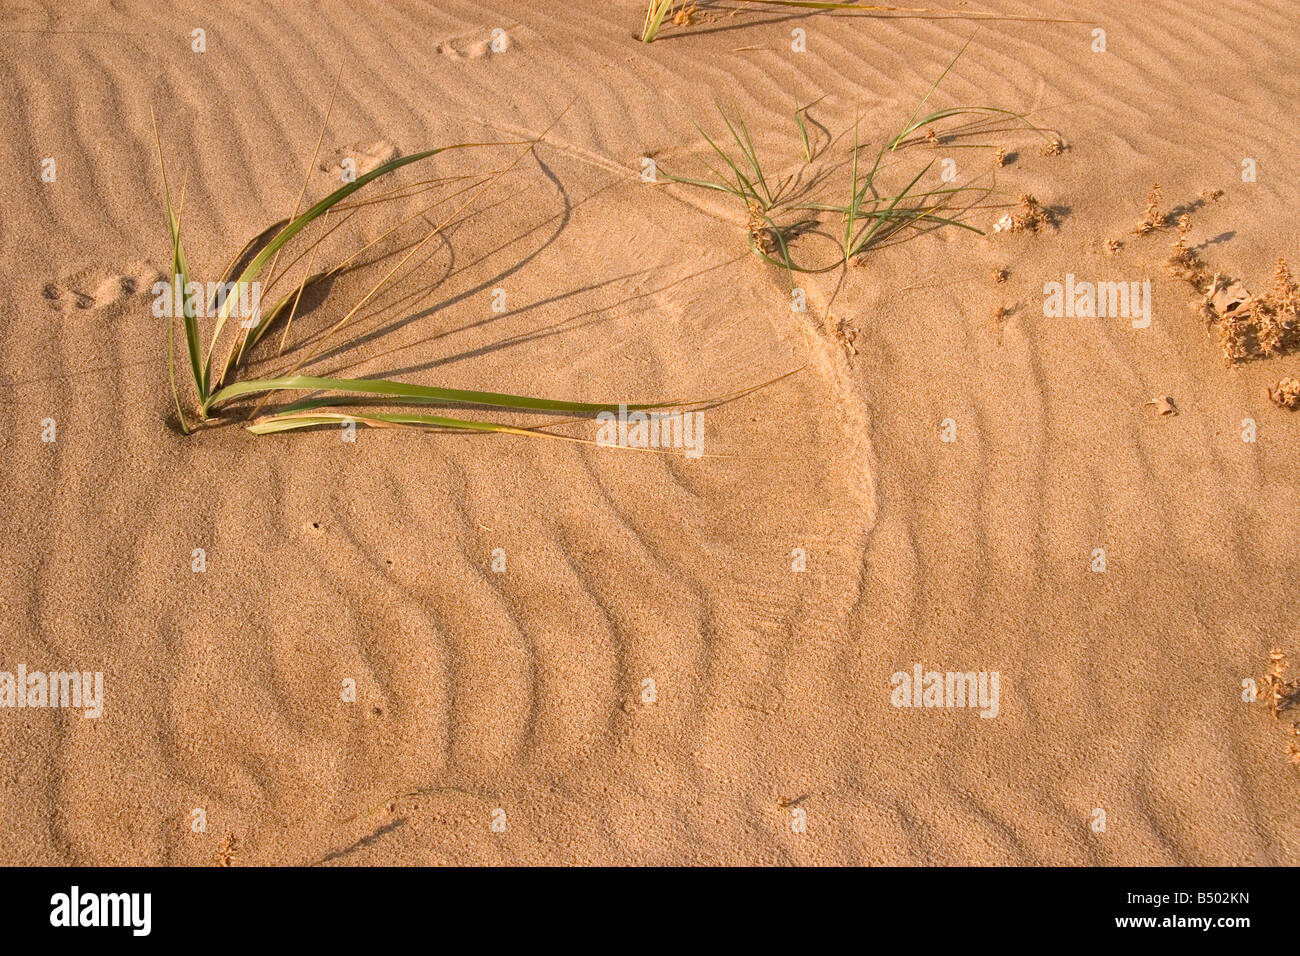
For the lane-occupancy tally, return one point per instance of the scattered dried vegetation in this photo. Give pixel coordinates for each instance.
(1154, 218)
(1282, 694)
(1286, 394)
(1030, 216)
(1247, 326)
(226, 852)
(1244, 325)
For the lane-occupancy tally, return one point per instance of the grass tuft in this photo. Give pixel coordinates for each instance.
(216, 394)
(780, 209)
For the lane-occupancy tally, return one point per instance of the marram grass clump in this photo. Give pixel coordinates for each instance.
(400, 404)
(866, 211)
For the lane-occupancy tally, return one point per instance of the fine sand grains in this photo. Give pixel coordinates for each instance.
(433, 648)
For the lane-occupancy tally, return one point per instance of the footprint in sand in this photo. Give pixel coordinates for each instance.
(359, 159)
(96, 289)
(473, 47)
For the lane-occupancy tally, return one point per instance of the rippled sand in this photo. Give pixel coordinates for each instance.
(649, 680)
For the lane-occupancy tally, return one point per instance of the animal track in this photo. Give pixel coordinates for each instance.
(363, 157)
(94, 289)
(462, 48)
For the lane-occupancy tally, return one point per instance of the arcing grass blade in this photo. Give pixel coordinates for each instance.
(290, 298)
(744, 187)
(171, 373)
(702, 183)
(228, 273)
(298, 223)
(305, 414)
(786, 261)
(237, 347)
(958, 111)
(858, 247)
(180, 285)
(746, 146)
(928, 93)
(180, 279)
(267, 319)
(288, 422)
(323, 341)
(945, 14)
(799, 118)
(913, 215)
(403, 390)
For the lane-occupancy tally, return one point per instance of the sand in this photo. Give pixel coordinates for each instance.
(649, 680)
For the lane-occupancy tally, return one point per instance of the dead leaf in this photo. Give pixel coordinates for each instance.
(1164, 404)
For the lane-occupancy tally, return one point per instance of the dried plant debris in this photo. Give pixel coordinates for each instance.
(1286, 394)
(1280, 692)
(1164, 405)
(847, 336)
(686, 15)
(764, 236)
(1154, 218)
(1246, 326)
(226, 852)
(1030, 216)
(1184, 261)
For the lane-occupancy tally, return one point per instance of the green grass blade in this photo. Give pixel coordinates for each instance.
(298, 223)
(180, 270)
(703, 183)
(920, 124)
(745, 189)
(747, 150)
(171, 373)
(404, 390)
(859, 246)
(799, 114)
(928, 93)
(654, 17)
(289, 422)
(180, 281)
